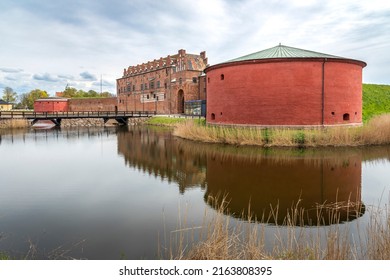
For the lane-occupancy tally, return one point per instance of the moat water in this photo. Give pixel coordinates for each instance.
(114, 193)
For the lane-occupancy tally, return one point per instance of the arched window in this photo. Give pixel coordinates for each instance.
(222, 77)
(346, 117)
(213, 116)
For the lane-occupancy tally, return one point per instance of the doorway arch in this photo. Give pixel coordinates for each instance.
(180, 102)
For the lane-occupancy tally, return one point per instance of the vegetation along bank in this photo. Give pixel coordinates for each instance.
(375, 131)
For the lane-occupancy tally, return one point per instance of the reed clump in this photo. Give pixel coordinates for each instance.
(220, 239)
(14, 123)
(375, 132)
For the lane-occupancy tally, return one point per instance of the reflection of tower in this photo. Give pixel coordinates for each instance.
(279, 185)
(156, 152)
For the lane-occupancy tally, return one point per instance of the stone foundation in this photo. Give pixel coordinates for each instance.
(87, 122)
(92, 122)
(136, 121)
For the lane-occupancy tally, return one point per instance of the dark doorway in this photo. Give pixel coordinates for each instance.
(180, 102)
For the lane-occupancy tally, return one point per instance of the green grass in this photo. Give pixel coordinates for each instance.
(165, 121)
(4, 256)
(376, 100)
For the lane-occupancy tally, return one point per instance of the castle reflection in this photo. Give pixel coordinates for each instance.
(157, 152)
(323, 186)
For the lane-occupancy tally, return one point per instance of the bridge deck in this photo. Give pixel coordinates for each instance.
(74, 115)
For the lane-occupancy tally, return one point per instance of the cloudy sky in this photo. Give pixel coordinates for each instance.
(48, 44)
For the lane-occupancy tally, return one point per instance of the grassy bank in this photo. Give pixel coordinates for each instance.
(376, 100)
(375, 132)
(218, 239)
(165, 121)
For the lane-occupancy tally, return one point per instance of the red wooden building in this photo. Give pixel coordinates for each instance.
(51, 105)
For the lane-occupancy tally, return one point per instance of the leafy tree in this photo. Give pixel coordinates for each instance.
(106, 94)
(70, 92)
(27, 99)
(9, 95)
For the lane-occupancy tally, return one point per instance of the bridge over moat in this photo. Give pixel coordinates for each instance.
(121, 117)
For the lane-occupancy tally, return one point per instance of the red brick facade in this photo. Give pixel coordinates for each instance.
(93, 104)
(51, 105)
(291, 92)
(163, 85)
(75, 104)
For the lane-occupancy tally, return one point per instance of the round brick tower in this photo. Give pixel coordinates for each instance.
(285, 86)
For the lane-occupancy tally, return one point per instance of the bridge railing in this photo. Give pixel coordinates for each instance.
(79, 114)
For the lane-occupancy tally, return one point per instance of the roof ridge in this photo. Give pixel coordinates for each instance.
(283, 51)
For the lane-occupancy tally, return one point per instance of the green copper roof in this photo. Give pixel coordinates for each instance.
(281, 51)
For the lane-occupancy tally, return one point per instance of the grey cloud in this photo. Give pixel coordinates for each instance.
(10, 70)
(104, 83)
(66, 77)
(10, 78)
(88, 76)
(45, 77)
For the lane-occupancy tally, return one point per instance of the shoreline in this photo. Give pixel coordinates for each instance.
(374, 132)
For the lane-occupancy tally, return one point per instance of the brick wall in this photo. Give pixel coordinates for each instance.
(93, 104)
(162, 85)
(284, 92)
(51, 105)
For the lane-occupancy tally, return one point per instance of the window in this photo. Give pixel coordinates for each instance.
(222, 77)
(346, 117)
(142, 86)
(158, 84)
(332, 113)
(152, 85)
(208, 80)
(129, 87)
(213, 116)
(180, 81)
(194, 80)
(133, 87)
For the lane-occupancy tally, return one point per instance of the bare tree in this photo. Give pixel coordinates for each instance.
(9, 95)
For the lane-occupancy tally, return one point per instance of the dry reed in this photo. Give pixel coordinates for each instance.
(220, 238)
(375, 132)
(14, 123)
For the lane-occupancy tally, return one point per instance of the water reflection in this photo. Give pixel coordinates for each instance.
(158, 153)
(119, 188)
(306, 188)
(275, 183)
(36, 135)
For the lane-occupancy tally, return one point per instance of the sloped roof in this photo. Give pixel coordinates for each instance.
(282, 51)
(4, 102)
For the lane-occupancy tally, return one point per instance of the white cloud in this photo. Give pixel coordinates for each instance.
(60, 40)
